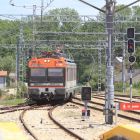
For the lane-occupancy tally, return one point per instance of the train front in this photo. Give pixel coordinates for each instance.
(46, 79)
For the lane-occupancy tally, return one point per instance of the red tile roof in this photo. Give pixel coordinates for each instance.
(3, 73)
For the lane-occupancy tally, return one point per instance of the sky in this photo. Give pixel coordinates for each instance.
(81, 8)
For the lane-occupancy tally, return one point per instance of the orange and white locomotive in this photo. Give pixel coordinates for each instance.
(51, 77)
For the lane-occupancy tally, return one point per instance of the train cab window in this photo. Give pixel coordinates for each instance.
(37, 75)
(55, 72)
(56, 75)
(37, 72)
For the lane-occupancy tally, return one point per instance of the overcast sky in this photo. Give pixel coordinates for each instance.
(81, 8)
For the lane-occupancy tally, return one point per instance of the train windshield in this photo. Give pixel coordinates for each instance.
(37, 72)
(56, 75)
(55, 72)
(38, 75)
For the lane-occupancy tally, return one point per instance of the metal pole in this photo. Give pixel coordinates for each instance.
(116, 114)
(99, 69)
(17, 58)
(34, 29)
(85, 109)
(123, 67)
(41, 15)
(131, 83)
(109, 65)
(21, 54)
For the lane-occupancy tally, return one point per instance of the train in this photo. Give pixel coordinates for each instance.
(51, 76)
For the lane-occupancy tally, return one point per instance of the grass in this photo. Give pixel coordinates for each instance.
(15, 102)
(135, 92)
(11, 87)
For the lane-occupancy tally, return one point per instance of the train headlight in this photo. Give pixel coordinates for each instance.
(47, 61)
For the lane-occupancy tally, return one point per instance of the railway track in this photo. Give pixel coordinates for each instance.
(25, 125)
(62, 126)
(103, 98)
(50, 115)
(116, 97)
(8, 109)
(99, 109)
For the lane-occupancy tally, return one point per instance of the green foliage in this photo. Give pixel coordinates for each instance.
(18, 96)
(118, 86)
(12, 86)
(94, 83)
(136, 85)
(10, 97)
(7, 64)
(7, 25)
(79, 88)
(24, 88)
(21, 89)
(15, 102)
(1, 91)
(13, 80)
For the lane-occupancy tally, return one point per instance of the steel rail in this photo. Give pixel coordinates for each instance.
(135, 97)
(22, 120)
(15, 106)
(118, 95)
(59, 124)
(115, 98)
(11, 108)
(120, 115)
(27, 128)
(14, 110)
(131, 111)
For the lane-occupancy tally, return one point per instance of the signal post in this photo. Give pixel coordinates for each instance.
(131, 50)
(86, 96)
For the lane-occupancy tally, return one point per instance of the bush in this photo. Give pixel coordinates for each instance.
(134, 91)
(78, 89)
(12, 86)
(18, 96)
(118, 86)
(136, 85)
(1, 92)
(94, 85)
(10, 97)
(22, 88)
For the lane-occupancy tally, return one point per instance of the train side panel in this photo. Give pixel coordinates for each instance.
(71, 78)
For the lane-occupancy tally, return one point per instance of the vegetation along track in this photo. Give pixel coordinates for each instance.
(120, 115)
(50, 115)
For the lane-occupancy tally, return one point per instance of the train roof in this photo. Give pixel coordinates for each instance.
(55, 55)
